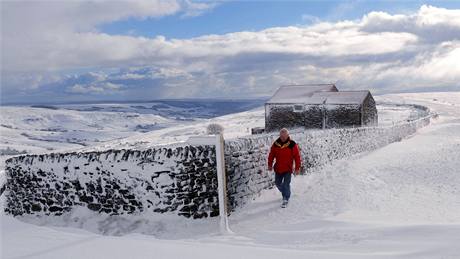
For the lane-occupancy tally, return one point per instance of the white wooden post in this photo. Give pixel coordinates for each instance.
(323, 113)
(218, 141)
(222, 184)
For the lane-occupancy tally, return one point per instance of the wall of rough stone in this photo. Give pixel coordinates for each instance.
(370, 114)
(180, 178)
(342, 116)
(245, 161)
(313, 117)
(282, 115)
(177, 178)
(279, 116)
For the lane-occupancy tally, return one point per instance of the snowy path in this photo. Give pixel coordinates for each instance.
(404, 198)
(401, 201)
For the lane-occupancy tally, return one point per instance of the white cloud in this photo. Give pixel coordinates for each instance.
(431, 24)
(193, 9)
(438, 67)
(381, 51)
(100, 88)
(310, 18)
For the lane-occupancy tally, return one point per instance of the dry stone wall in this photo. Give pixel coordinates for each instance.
(182, 179)
(179, 178)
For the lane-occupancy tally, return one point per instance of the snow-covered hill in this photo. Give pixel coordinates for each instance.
(103, 126)
(35, 129)
(45, 128)
(401, 201)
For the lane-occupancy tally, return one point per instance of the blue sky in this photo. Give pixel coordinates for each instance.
(227, 17)
(144, 50)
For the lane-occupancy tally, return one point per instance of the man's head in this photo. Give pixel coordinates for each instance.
(284, 134)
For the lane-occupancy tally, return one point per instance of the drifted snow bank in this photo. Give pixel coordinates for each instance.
(178, 179)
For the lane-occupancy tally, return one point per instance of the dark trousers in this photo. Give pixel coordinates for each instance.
(282, 182)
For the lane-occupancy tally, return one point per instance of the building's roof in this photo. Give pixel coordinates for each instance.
(299, 93)
(342, 97)
(316, 94)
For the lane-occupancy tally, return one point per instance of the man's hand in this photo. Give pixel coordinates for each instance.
(297, 172)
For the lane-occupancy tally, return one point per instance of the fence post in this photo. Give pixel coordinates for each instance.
(222, 185)
(218, 141)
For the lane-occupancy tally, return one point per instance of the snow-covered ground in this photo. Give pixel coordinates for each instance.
(401, 201)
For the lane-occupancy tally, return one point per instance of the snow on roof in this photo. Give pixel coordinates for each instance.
(317, 94)
(343, 97)
(299, 93)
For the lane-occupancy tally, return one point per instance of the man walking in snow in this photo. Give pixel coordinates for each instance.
(285, 151)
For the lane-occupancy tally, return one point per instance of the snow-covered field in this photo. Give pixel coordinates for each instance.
(401, 201)
(40, 129)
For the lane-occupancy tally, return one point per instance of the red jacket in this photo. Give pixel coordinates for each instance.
(285, 154)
